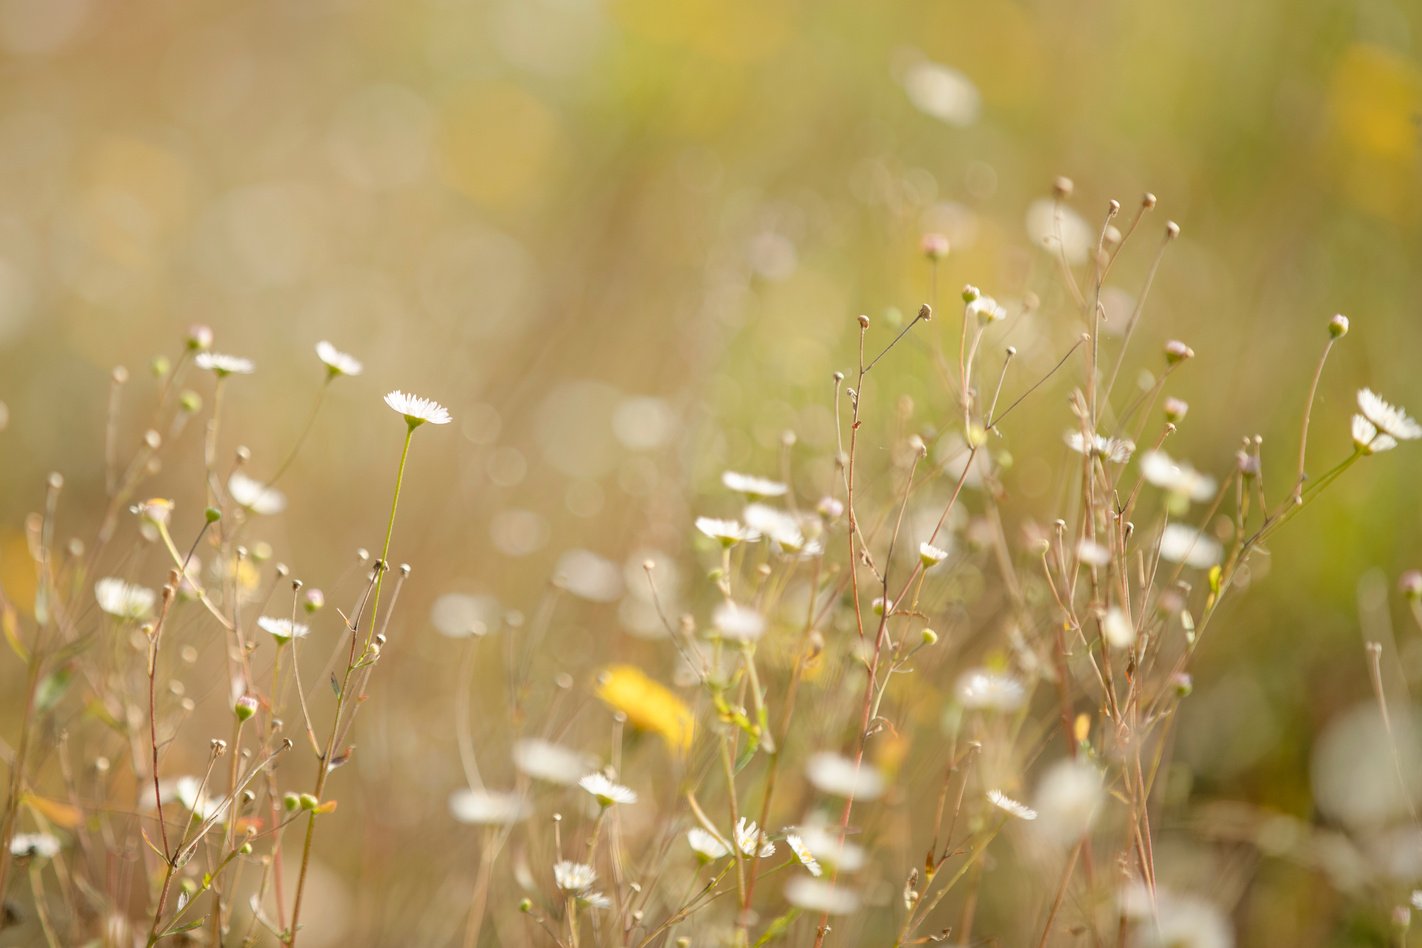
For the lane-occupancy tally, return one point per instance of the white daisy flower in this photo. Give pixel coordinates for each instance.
(254, 495)
(753, 486)
(780, 527)
(1008, 805)
(1177, 477)
(488, 807)
(124, 600)
(1182, 544)
(737, 623)
(1117, 629)
(706, 846)
(1068, 799)
(986, 309)
(1389, 419)
(203, 807)
(1116, 450)
(573, 876)
(418, 410)
(748, 835)
(1060, 230)
(606, 791)
(817, 895)
(842, 777)
(931, 555)
(827, 847)
(34, 846)
(1369, 439)
(942, 92)
(802, 853)
(594, 900)
(224, 365)
(283, 630)
(549, 762)
(336, 361)
(727, 532)
(984, 690)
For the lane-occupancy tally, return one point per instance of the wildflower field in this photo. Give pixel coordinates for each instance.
(612, 473)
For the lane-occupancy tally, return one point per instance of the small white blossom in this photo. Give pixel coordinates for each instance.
(336, 361)
(488, 807)
(782, 528)
(727, 532)
(1165, 919)
(1176, 477)
(1388, 418)
(124, 600)
(203, 807)
(549, 762)
(828, 848)
(1369, 439)
(737, 623)
(418, 410)
(1117, 629)
(595, 900)
(254, 495)
(986, 309)
(224, 365)
(1092, 553)
(1182, 544)
(459, 616)
(706, 846)
(802, 853)
(1116, 450)
(1068, 799)
(817, 895)
(34, 846)
(753, 486)
(573, 876)
(1008, 805)
(283, 630)
(984, 690)
(606, 791)
(749, 835)
(930, 555)
(842, 777)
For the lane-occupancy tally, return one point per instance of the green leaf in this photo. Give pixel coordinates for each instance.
(778, 928)
(185, 927)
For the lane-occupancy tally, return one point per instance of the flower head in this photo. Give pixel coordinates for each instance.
(802, 853)
(553, 763)
(283, 630)
(34, 846)
(648, 704)
(1369, 439)
(124, 600)
(842, 777)
(753, 486)
(1182, 544)
(1008, 805)
(606, 791)
(1115, 450)
(224, 365)
(487, 807)
(984, 690)
(930, 555)
(1388, 418)
(255, 496)
(708, 848)
(727, 532)
(418, 410)
(817, 895)
(737, 623)
(573, 876)
(751, 839)
(986, 309)
(336, 361)
(1176, 477)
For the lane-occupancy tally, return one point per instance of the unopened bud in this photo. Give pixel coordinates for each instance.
(245, 707)
(1338, 326)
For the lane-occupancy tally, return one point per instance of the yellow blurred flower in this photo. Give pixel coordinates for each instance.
(648, 704)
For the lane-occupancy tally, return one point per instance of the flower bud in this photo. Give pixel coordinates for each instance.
(1338, 326)
(245, 707)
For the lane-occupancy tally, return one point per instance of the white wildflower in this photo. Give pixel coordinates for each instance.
(283, 630)
(753, 486)
(1116, 450)
(802, 853)
(1118, 630)
(488, 807)
(1092, 553)
(1176, 477)
(842, 777)
(607, 792)
(707, 847)
(255, 496)
(944, 93)
(124, 600)
(336, 361)
(782, 528)
(828, 848)
(1008, 805)
(1369, 439)
(1060, 230)
(549, 762)
(418, 410)
(984, 690)
(1182, 544)
(985, 308)
(573, 876)
(1388, 418)
(459, 615)
(595, 900)
(737, 623)
(727, 532)
(817, 895)
(749, 836)
(224, 365)
(1168, 920)
(930, 555)
(34, 846)
(1068, 800)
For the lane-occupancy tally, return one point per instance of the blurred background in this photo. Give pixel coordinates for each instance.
(624, 242)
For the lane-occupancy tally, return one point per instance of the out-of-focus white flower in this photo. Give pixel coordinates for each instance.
(1060, 230)
(549, 762)
(802, 853)
(283, 630)
(1068, 799)
(753, 486)
(336, 361)
(1116, 450)
(930, 555)
(1182, 544)
(252, 494)
(417, 410)
(1008, 805)
(984, 690)
(1369, 439)
(1170, 920)
(607, 792)
(749, 836)
(573, 876)
(782, 528)
(738, 623)
(488, 807)
(944, 93)
(224, 365)
(817, 895)
(594, 900)
(1118, 630)
(842, 777)
(831, 508)
(1388, 418)
(124, 600)
(828, 848)
(727, 532)
(187, 791)
(589, 576)
(1092, 553)
(986, 309)
(34, 846)
(706, 846)
(1176, 477)
(458, 615)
